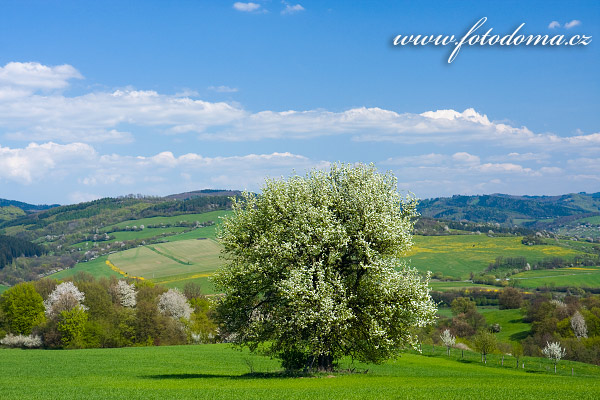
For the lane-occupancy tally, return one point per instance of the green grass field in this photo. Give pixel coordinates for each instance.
(511, 322)
(445, 286)
(458, 255)
(97, 268)
(169, 259)
(592, 220)
(203, 217)
(218, 372)
(576, 277)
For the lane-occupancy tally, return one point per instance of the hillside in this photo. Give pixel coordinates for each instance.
(566, 212)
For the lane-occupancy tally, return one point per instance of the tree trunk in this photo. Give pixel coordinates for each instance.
(325, 362)
(554, 367)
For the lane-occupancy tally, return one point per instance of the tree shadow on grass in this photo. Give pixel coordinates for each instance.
(517, 337)
(253, 375)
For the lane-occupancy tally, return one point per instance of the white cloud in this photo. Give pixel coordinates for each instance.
(34, 162)
(572, 24)
(223, 89)
(34, 76)
(102, 116)
(465, 158)
(246, 7)
(554, 25)
(98, 175)
(291, 9)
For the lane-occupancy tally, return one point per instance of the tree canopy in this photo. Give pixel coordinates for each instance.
(313, 270)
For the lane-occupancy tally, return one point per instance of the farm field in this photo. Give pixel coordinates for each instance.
(172, 233)
(203, 217)
(453, 285)
(576, 276)
(458, 255)
(169, 259)
(219, 372)
(97, 268)
(511, 322)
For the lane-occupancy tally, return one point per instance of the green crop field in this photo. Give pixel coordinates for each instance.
(171, 233)
(192, 258)
(451, 285)
(203, 217)
(458, 255)
(97, 268)
(576, 277)
(592, 220)
(219, 372)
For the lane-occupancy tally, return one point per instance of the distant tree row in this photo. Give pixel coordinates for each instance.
(90, 313)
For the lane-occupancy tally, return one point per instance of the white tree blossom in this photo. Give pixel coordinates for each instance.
(174, 304)
(31, 341)
(126, 293)
(554, 352)
(578, 325)
(314, 270)
(64, 297)
(448, 340)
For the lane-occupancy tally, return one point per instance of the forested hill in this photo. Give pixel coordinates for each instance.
(25, 206)
(84, 217)
(11, 247)
(509, 209)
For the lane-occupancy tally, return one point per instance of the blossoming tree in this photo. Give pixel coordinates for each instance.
(554, 352)
(313, 272)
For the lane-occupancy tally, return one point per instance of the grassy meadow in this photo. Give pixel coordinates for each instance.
(575, 277)
(219, 372)
(458, 255)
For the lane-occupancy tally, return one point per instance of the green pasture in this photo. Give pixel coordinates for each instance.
(576, 277)
(458, 255)
(453, 285)
(195, 258)
(219, 372)
(513, 329)
(592, 220)
(97, 268)
(203, 217)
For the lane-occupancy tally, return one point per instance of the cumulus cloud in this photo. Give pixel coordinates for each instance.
(291, 9)
(111, 116)
(572, 24)
(34, 162)
(91, 175)
(35, 76)
(246, 7)
(554, 25)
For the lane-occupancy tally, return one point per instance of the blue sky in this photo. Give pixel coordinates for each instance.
(109, 98)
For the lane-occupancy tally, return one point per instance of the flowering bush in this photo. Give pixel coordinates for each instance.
(31, 341)
(174, 304)
(125, 293)
(64, 297)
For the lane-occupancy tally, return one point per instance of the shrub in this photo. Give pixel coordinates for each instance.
(30, 342)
